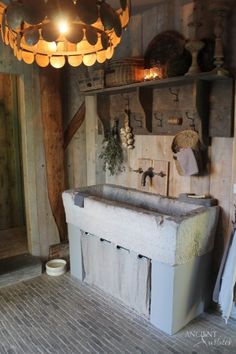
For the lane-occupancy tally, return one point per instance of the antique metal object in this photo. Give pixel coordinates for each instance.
(150, 173)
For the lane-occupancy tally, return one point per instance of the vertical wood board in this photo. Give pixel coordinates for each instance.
(53, 143)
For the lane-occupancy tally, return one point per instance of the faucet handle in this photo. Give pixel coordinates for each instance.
(160, 174)
(139, 170)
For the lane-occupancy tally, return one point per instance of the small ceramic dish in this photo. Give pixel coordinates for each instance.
(56, 267)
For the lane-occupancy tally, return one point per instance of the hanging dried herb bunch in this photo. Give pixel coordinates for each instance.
(112, 153)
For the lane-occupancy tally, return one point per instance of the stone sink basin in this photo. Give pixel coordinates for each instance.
(160, 228)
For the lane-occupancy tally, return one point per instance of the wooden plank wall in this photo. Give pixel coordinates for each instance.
(51, 111)
(232, 62)
(75, 154)
(5, 214)
(41, 228)
(12, 208)
(218, 182)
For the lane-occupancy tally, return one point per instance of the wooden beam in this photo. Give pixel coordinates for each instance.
(74, 125)
(53, 144)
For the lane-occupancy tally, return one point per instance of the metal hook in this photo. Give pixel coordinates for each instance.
(126, 98)
(159, 117)
(139, 121)
(192, 124)
(127, 110)
(175, 93)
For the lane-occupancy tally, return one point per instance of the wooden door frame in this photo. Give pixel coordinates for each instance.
(40, 224)
(42, 231)
(24, 90)
(28, 162)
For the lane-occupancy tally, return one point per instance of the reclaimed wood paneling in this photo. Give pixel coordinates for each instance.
(221, 113)
(218, 181)
(5, 200)
(74, 125)
(48, 231)
(41, 227)
(12, 210)
(75, 154)
(53, 143)
(95, 173)
(15, 154)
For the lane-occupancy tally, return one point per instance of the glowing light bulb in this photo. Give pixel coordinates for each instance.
(63, 26)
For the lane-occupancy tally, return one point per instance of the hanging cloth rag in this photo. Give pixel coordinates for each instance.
(226, 294)
(217, 287)
(188, 162)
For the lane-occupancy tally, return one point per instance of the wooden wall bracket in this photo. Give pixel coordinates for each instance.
(103, 110)
(146, 100)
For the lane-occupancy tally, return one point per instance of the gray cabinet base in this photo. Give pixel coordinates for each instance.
(179, 293)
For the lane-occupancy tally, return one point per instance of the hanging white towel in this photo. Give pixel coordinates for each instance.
(228, 282)
(217, 287)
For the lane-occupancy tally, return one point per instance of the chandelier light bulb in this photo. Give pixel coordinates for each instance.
(63, 26)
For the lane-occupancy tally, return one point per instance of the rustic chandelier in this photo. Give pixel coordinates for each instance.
(56, 31)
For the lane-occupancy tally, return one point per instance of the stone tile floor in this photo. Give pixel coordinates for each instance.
(61, 315)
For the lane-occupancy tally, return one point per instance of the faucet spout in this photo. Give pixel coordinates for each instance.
(150, 173)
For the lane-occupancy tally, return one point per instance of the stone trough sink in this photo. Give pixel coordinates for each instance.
(176, 236)
(159, 228)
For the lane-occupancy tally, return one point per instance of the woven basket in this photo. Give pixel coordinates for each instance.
(185, 139)
(124, 71)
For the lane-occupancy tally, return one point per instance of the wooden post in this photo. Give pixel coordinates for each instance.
(53, 144)
(74, 125)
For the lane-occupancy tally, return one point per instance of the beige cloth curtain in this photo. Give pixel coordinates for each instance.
(117, 271)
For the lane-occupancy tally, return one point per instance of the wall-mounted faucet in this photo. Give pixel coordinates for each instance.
(150, 173)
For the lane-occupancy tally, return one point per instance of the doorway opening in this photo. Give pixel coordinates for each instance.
(13, 235)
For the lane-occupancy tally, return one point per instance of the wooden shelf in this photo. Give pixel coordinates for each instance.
(178, 80)
(203, 101)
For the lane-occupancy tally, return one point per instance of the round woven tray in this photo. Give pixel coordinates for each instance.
(185, 139)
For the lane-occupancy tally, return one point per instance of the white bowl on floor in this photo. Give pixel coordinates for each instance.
(56, 267)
